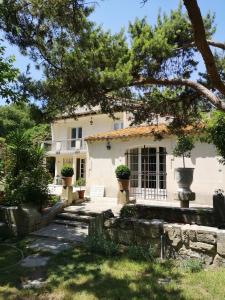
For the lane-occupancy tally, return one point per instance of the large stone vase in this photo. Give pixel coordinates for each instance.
(184, 178)
(67, 181)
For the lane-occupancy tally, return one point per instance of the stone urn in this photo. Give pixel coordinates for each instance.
(184, 178)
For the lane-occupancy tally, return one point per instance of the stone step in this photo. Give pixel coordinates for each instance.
(79, 210)
(71, 223)
(75, 217)
(63, 232)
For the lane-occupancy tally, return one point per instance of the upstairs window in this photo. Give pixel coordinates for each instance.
(118, 125)
(76, 133)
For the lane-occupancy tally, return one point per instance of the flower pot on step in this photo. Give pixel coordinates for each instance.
(81, 194)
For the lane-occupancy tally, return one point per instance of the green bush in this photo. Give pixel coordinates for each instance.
(144, 253)
(80, 182)
(122, 172)
(26, 179)
(99, 245)
(192, 265)
(67, 171)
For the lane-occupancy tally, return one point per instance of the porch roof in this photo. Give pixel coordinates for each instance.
(132, 132)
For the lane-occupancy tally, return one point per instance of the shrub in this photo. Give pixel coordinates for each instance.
(80, 182)
(26, 179)
(99, 245)
(192, 265)
(145, 253)
(122, 172)
(67, 171)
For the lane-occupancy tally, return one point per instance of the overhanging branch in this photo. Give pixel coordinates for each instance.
(202, 45)
(217, 102)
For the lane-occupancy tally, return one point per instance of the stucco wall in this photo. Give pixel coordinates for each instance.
(101, 123)
(208, 174)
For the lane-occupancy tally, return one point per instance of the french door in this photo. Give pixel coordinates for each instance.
(148, 172)
(76, 134)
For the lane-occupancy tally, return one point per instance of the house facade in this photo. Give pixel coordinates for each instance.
(95, 144)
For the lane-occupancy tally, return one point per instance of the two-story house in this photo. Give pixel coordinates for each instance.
(95, 144)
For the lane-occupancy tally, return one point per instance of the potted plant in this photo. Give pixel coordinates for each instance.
(81, 183)
(67, 174)
(123, 176)
(183, 175)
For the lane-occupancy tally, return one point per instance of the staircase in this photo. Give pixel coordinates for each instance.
(71, 225)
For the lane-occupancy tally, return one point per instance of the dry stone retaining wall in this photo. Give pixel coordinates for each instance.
(175, 240)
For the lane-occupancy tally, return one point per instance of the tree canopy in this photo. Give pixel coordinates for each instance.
(148, 70)
(8, 76)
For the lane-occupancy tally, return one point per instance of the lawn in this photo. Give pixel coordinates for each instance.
(78, 274)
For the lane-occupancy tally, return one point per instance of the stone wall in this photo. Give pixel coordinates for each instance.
(172, 240)
(199, 216)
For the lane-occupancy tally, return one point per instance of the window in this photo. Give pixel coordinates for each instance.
(118, 125)
(80, 170)
(76, 133)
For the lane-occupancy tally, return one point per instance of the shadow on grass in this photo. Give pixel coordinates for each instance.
(77, 273)
(112, 278)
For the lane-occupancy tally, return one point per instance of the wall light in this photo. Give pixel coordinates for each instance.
(91, 121)
(108, 145)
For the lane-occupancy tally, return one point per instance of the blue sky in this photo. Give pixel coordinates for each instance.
(114, 14)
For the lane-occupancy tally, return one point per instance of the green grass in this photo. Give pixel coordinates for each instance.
(79, 275)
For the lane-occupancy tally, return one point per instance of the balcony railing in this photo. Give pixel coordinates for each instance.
(69, 145)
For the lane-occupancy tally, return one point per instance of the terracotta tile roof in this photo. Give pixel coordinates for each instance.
(132, 132)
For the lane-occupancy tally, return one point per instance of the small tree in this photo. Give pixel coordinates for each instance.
(184, 146)
(26, 178)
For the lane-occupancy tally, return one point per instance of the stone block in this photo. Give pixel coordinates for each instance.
(126, 223)
(185, 234)
(202, 247)
(112, 222)
(148, 228)
(125, 237)
(173, 234)
(221, 242)
(219, 261)
(207, 235)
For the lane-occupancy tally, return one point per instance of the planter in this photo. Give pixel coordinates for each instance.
(123, 184)
(67, 181)
(184, 178)
(81, 194)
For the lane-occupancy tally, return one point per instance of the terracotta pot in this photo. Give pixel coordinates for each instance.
(81, 194)
(67, 181)
(123, 184)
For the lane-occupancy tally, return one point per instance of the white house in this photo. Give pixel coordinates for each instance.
(95, 144)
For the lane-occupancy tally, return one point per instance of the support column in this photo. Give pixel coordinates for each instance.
(74, 168)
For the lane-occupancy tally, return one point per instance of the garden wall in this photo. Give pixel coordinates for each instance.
(169, 240)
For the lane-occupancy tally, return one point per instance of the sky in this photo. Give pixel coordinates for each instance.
(115, 14)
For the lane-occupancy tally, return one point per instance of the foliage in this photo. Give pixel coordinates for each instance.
(67, 171)
(100, 245)
(128, 211)
(184, 146)
(8, 76)
(122, 172)
(215, 133)
(80, 182)
(192, 265)
(21, 116)
(26, 179)
(84, 65)
(145, 253)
